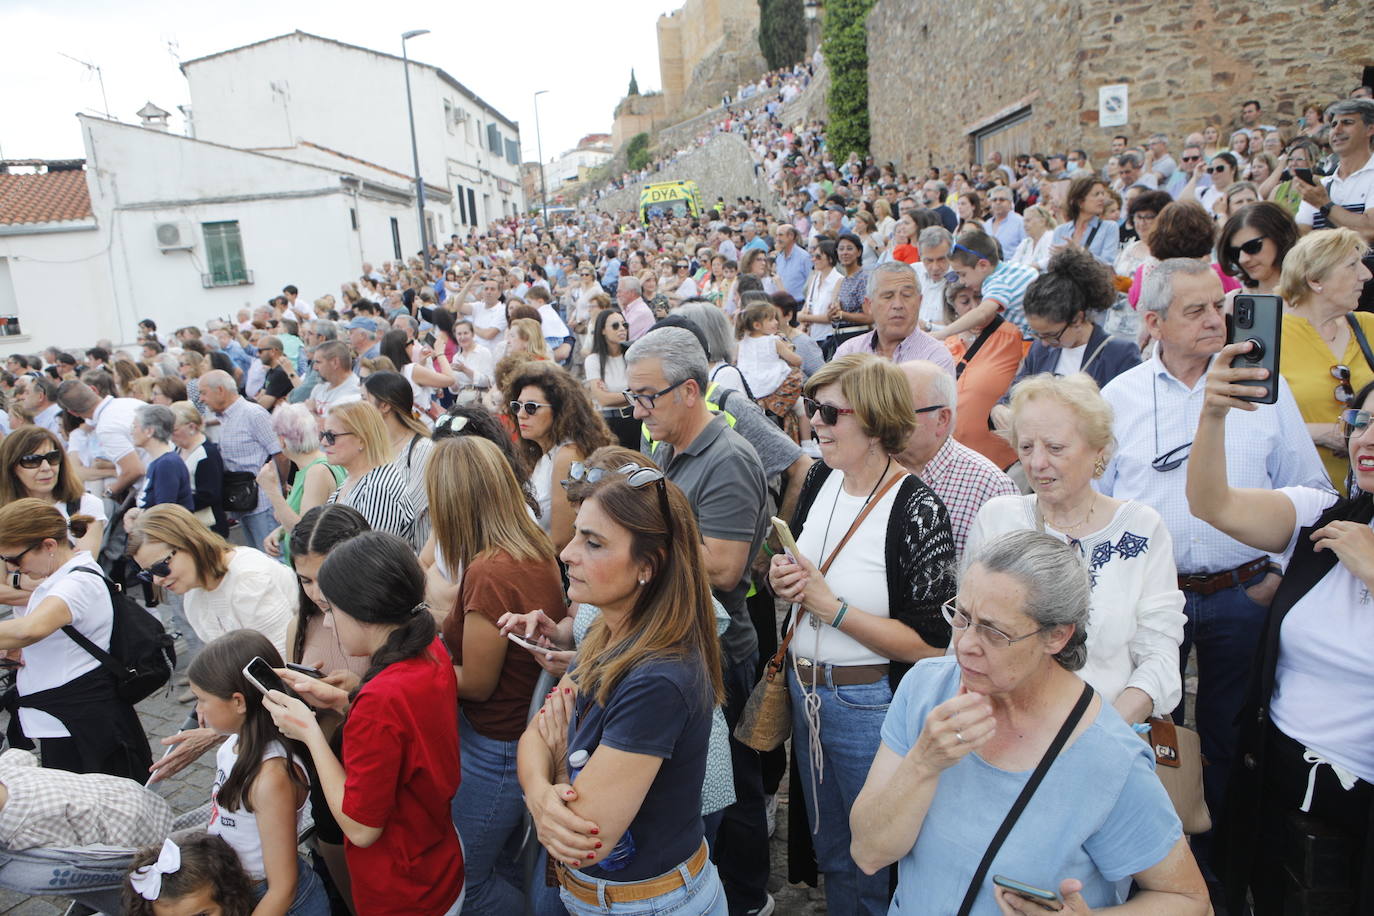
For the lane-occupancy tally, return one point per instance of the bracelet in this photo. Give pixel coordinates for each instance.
(839, 615)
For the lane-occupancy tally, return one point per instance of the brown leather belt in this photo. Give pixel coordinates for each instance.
(841, 675)
(1211, 583)
(648, 889)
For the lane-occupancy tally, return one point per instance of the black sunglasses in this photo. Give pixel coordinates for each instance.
(1344, 393)
(329, 437)
(615, 325)
(830, 414)
(1213, 169)
(1172, 459)
(931, 409)
(14, 560)
(529, 407)
(159, 570)
(1251, 248)
(53, 458)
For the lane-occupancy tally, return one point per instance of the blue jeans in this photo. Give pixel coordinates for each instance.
(257, 526)
(740, 847)
(311, 898)
(488, 812)
(851, 726)
(702, 895)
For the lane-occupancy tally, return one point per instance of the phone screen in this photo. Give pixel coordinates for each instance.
(1305, 175)
(261, 675)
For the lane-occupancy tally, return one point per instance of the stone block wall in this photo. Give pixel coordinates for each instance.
(722, 167)
(934, 74)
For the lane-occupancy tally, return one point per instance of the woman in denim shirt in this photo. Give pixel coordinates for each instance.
(1084, 225)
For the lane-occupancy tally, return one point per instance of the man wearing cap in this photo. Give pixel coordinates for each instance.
(362, 334)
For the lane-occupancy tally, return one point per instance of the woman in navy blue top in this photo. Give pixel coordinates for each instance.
(166, 479)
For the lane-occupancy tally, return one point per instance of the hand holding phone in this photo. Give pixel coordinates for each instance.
(532, 646)
(260, 674)
(1046, 900)
(1305, 175)
(305, 669)
(1258, 319)
(784, 533)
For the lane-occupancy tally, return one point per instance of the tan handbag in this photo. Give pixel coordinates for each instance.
(1178, 762)
(766, 721)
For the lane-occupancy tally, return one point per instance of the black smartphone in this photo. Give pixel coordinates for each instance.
(1258, 318)
(428, 340)
(261, 676)
(1305, 175)
(305, 669)
(1048, 900)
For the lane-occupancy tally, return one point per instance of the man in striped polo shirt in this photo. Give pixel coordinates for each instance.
(1341, 200)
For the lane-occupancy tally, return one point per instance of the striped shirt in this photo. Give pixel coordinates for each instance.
(1007, 284)
(247, 442)
(1352, 193)
(381, 497)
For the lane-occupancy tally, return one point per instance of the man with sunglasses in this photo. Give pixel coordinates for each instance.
(723, 480)
(1226, 585)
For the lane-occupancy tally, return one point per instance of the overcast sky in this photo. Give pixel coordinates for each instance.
(504, 51)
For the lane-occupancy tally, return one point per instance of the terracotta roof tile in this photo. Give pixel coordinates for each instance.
(44, 198)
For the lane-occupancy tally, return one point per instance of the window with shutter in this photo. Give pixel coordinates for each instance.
(224, 253)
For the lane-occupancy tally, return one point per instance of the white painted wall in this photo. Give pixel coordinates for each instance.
(62, 290)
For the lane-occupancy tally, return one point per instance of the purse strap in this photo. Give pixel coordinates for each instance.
(1359, 336)
(1024, 798)
(971, 352)
(776, 662)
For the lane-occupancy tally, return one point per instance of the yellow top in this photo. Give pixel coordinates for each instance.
(1306, 362)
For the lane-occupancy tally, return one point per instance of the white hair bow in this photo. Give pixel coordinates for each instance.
(148, 879)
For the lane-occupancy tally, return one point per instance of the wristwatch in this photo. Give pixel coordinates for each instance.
(14, 580)
(1325, 210)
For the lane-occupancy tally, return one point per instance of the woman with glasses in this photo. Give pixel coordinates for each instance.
(66, 699)
(504, 562)
(604, 375)
(355, 438)
(1253, 244)
(1061, 429)
(884, 543)
(36, 466)
(964, 733)
(1302, 153)
(621, 743)
(1304, 735)
(582, 291)
(1325, 341)
(1223, 171)
(315, 477)
(1183, 229)
(648, 291)
(558, 424)
(1141, 215)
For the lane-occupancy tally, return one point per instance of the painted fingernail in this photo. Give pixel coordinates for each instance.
(567, 690)
(598, 844)
(595, 832)
(591, 855)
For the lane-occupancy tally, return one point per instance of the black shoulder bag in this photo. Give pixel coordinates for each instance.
(972, 351)
(1360, 338)
(1024, 798)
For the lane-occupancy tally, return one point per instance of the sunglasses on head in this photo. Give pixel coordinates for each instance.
(329, 437)
(1344, 393)
(529, 407)
(159, 570)
(454, 422)
(53, 458)
(830, 414)
(636, 475)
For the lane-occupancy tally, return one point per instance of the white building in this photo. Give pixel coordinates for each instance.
(286, 94)
(569, 168)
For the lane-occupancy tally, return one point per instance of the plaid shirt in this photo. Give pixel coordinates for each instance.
(56, 808)
(246, 442)
(964, 480)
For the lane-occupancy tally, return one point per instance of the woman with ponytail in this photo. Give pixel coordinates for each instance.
(408, 433)
(64, 698)
(400, 767)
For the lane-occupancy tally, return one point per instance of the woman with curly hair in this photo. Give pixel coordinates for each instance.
(558, 424)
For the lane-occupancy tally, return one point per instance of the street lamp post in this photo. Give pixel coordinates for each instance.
(415, 149)
(539, 143)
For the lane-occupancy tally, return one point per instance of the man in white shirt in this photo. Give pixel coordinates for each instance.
(935, 244)
(1005, 224)
(1342, 200)
(334, 362)
(113, 421)
(1227, 586)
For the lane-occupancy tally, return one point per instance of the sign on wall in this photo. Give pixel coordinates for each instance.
(1112, 105)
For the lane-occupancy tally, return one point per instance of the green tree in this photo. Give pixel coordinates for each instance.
(782, 32)
(845, 47)
(634, 84)
(637, 152)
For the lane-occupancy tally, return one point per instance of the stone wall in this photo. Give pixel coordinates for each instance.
(1187, 62)
(705, 50)
(722, 167)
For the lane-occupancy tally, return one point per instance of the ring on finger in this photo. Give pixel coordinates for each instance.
(960, 736)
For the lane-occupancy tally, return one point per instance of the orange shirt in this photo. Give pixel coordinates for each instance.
(983, 382)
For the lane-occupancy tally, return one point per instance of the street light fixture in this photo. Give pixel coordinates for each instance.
(539, 142)
(414, 149)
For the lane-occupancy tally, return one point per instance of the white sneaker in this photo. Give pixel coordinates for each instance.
(765, 910)
(771, 805)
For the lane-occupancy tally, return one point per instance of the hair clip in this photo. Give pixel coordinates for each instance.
(422, 606)
(147, 880)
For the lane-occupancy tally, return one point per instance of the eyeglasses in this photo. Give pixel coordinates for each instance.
(1174, 457)
(1353, 422)
(159, 570)
(53, 458)
(1213, 169)
(1052, 338)
(451, 422)
(830, 414)
(1190, 158)
(329, 437)
(1251, 248)
(14, 560)
(1344, 393)
(649, 401)
(529, 407)
(931, 409)
(636, 475)
(994, 637)
(1144, 217)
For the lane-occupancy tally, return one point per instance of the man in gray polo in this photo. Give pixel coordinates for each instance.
(721, 476)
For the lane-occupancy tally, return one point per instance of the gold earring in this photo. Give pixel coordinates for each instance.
(1100, 466)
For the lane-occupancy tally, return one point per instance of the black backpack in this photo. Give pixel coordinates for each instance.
(141, 655)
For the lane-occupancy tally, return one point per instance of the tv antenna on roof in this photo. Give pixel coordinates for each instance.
(92, 68)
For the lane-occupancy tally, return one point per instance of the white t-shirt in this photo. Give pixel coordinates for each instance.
(932, 295)
(257, 593)
(480, 363)
(859, 573)
(93, 506)
(484, 318)
(239, 827)
(1070, 360)
(56, 660)
(114, 423)
(758, 361)
(327, 396)
(1323, 686)
(820, 290)
(613, 376)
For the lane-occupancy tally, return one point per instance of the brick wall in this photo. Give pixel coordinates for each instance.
(936, 71)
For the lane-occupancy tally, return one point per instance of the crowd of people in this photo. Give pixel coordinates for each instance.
(497, 517)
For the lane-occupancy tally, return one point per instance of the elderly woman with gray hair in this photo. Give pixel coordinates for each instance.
(166, 479)
(315, 477)
(975, 724)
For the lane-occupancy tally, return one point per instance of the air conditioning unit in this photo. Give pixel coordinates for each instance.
(460, 115)
(175, 237)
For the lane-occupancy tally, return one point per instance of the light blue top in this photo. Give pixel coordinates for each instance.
(1100, 815)
(1105, 244)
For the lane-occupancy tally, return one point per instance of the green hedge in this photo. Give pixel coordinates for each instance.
(782, 32)
(845, 46)
(637, 152)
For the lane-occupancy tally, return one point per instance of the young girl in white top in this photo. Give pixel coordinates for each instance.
(261, 786)
(770, 365)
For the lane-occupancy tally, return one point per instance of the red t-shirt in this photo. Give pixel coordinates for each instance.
(907, 254)
(401, 769)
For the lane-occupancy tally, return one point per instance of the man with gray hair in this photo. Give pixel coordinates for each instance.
(313, 333)
(117, 461)
(638, 316)
(1132, 174)
(894, 299)
(962, 478)
(1227, 586)
(935, 243)
(1005, 224)
(722, 478)
(1158, 160)
(246, 443)
(792, 263)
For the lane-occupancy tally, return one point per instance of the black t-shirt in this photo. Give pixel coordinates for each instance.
(278, 383)
(663, 709)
